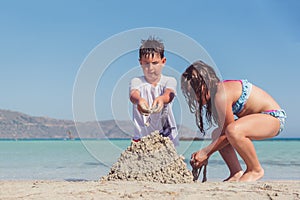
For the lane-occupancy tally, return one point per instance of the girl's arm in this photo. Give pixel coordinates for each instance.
(225, 116)
(200, 157)
(223, 103)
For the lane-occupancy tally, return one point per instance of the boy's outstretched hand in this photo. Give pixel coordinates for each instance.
(143, 107)
(158, 104)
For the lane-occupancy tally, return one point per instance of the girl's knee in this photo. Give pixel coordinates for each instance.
(232, 131)
(216, 133)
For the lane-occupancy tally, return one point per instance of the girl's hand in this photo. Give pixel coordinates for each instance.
(199, 159)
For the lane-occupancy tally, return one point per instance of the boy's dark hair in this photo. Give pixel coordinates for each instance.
(151, 46)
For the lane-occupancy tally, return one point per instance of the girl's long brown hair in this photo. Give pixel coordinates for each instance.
(199, 80)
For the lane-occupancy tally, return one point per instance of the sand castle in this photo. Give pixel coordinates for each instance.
(154, 159)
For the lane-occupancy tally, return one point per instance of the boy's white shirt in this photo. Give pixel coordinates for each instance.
(149, 92)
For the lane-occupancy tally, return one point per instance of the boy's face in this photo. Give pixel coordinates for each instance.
(152, 67)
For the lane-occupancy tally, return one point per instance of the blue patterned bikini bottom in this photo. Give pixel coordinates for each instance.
(240, 103)
(279, 114)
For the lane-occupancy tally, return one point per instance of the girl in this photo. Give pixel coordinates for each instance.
(258, 117)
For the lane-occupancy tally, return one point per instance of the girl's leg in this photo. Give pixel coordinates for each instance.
(229, 156)
(240, 133)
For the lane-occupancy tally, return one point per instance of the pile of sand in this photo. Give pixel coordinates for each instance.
(153, 158)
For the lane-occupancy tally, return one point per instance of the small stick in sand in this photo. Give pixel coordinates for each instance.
(196, 173)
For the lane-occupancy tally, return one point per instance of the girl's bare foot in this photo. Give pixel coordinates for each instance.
(249, 176)
(235, 177)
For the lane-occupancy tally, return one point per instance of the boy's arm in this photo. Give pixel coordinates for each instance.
(142, 104)
(165, 98)
(135, 96)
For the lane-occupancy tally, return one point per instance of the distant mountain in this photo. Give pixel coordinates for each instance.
(16, 125)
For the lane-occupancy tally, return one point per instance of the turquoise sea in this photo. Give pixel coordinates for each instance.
(75, 160)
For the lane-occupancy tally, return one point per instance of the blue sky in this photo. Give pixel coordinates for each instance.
(44, 43)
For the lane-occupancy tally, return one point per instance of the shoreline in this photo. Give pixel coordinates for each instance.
(189, 139)
(50, 189)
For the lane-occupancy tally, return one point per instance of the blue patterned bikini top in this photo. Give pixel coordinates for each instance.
(240, 103)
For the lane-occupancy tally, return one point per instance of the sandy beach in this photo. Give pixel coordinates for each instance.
(148, 190)
(149, 169)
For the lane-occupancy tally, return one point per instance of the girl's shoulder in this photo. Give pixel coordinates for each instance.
(220, 92)
(232, 80)
(228, 90)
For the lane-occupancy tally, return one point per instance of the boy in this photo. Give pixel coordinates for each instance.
(152, 94)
